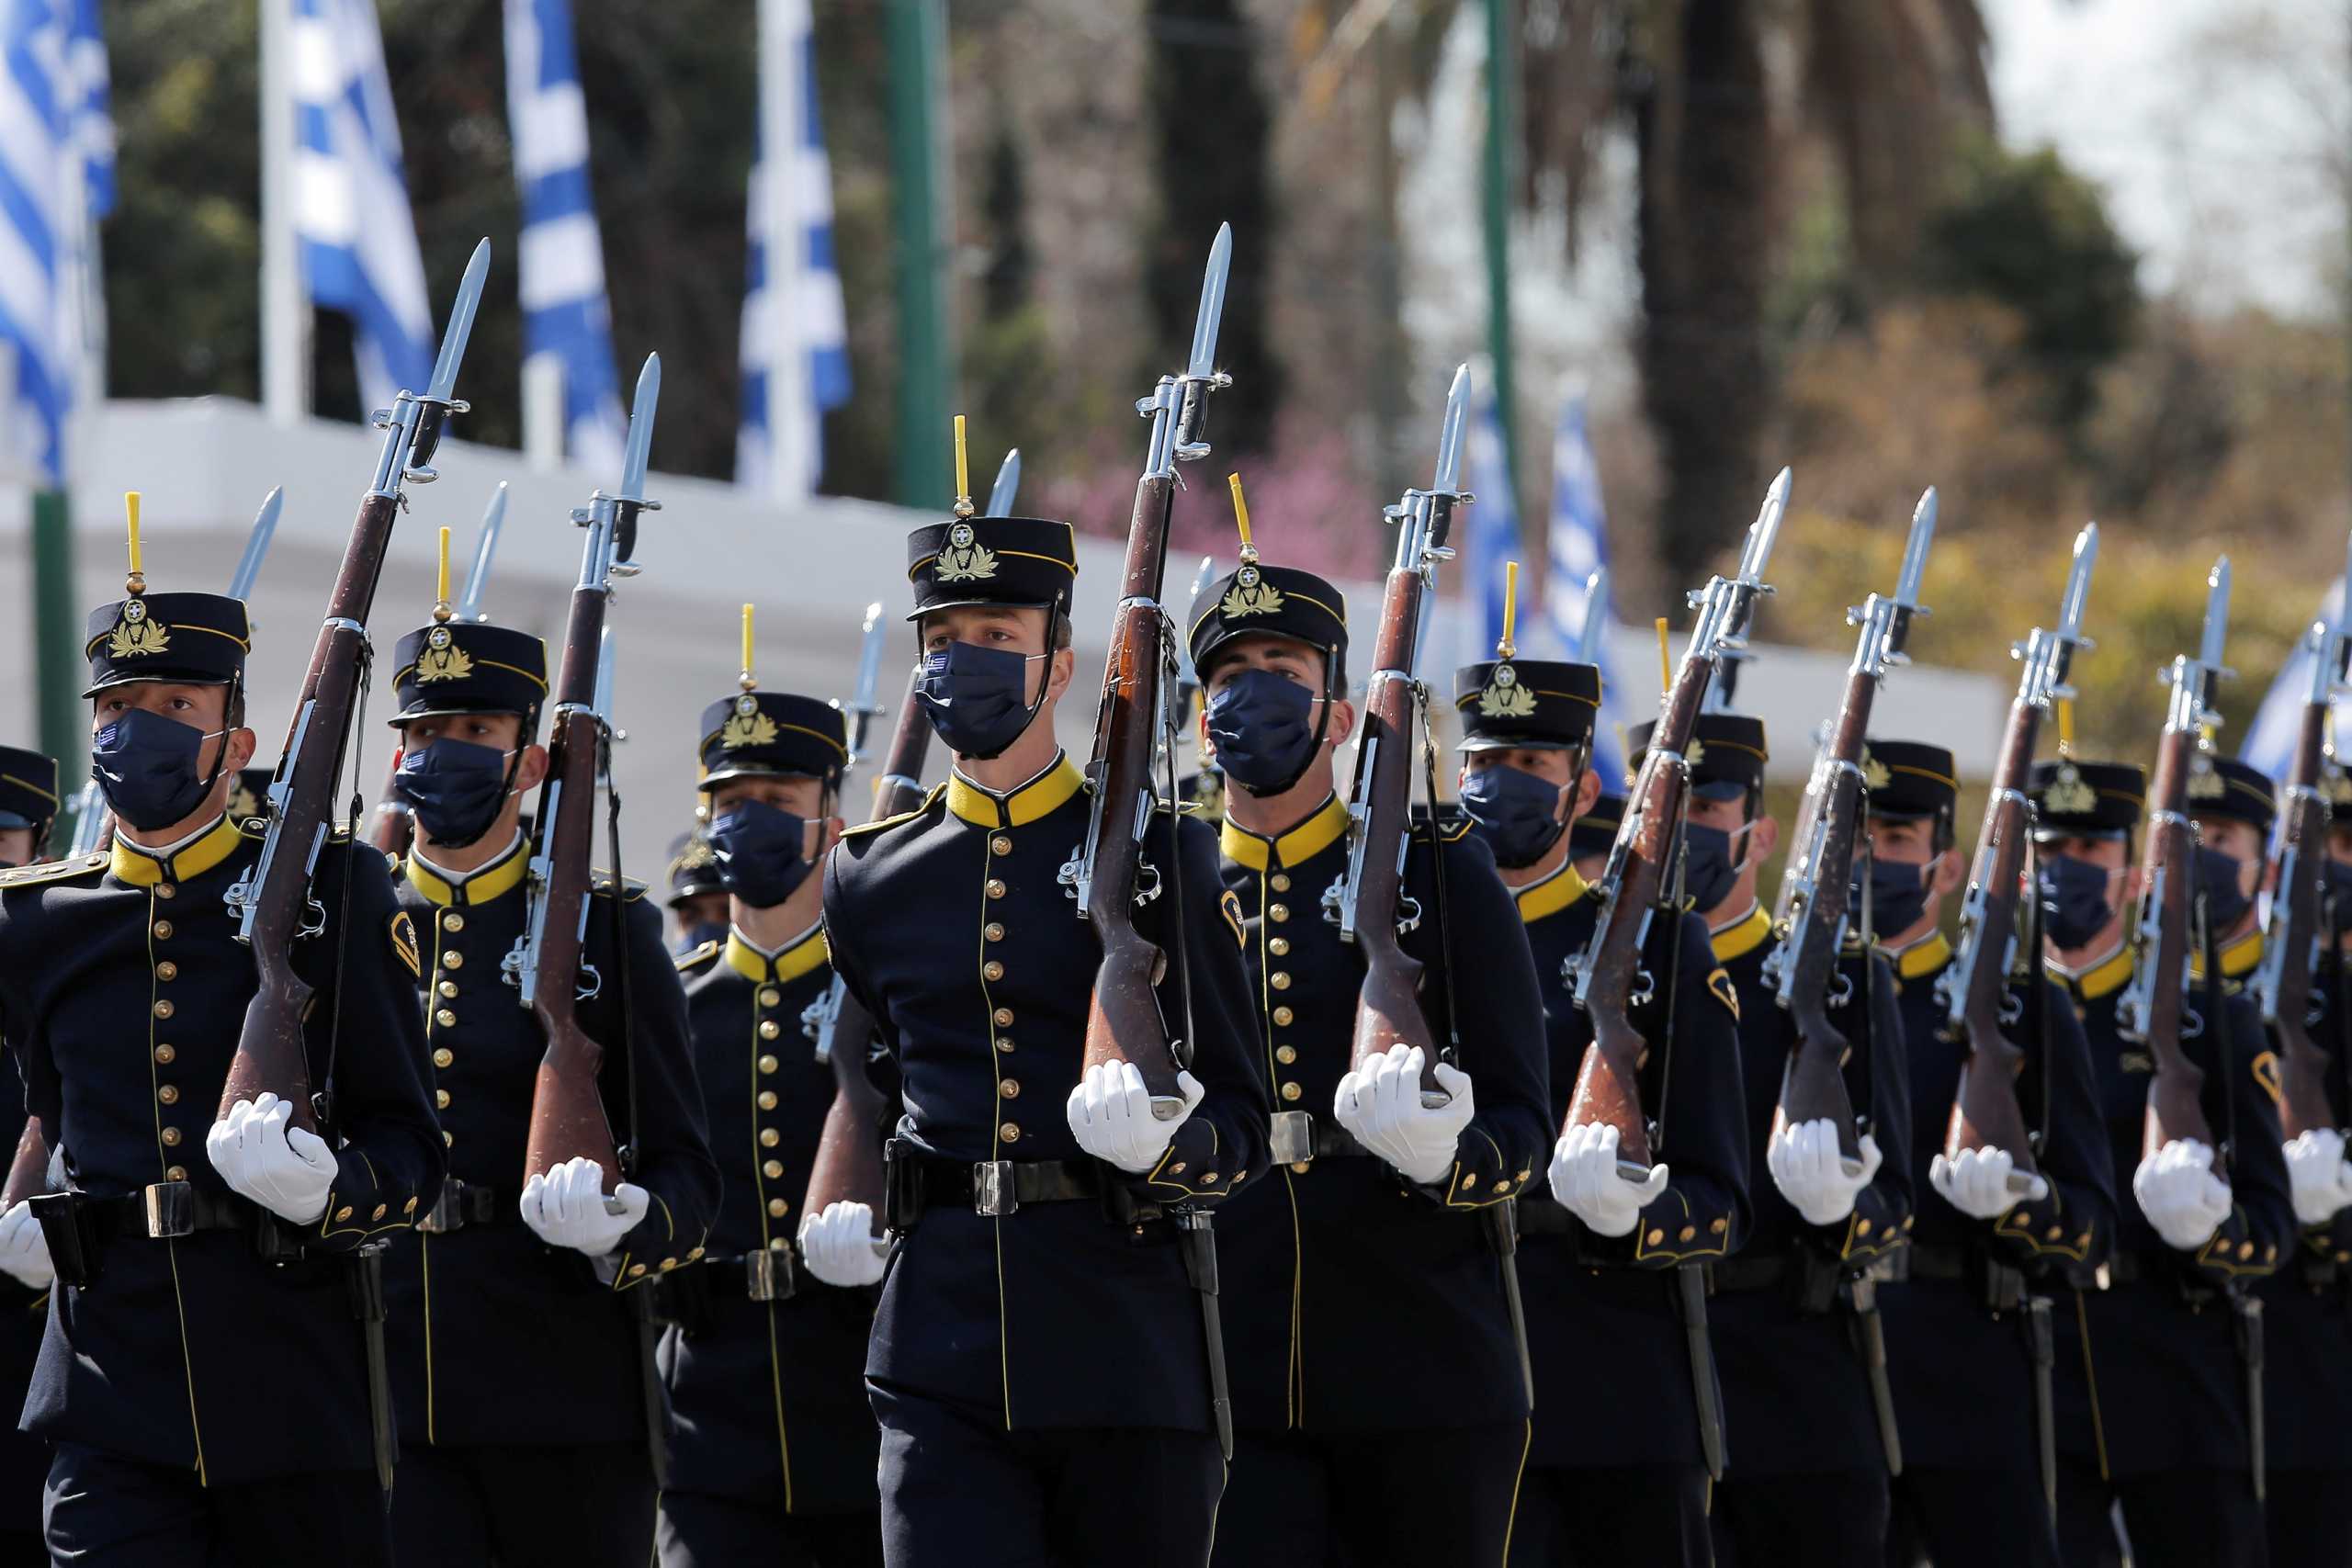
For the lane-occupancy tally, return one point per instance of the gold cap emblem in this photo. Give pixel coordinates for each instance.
(2206, 783)
(441, 658)
(750, 727)
(1504, 697)
(698, 853)
(134, 635)
(1697, 753)
(1874, 773)
(1250, 595)
(965, 560)
(2069, 794)
(243, 806)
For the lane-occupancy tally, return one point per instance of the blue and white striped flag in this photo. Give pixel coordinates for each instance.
(796, 334)
(56, 180)
(2271, 739)
(563, 253)
(351, 212)
(1579, 546)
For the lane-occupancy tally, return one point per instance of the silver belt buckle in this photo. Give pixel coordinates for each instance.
(768, 1275)
(171, 1210)
(443, 1218)
(1293, 1137)
(993, 1193)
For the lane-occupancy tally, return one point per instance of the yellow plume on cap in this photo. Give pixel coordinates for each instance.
(962, 478)
(136, 583)
(1241, 517)
(2066, 727)
(441, 582)
(1665, 661)
(1506, 648)
(746, 682)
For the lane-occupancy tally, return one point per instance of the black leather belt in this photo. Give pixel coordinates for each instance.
(464, 1203)
(1999, 1287)
(1298, 1137)
(1734, 1276)
(772, 1274)
(166, 1209)
(1540, 1215)
(995, 1188)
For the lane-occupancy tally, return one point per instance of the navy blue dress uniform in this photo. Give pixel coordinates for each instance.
(206, 1387)
(1593, 834)
(2152, 1390)
(28, 799)
(1805, 1480)
(515, 1366)
(1608, 1322)
(1038, 1363)
(1370, 1333)
(1970, 1335)
(694, 877)
(775, 1447)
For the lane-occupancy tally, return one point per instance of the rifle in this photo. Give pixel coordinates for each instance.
(2299, 872)
(395, 826)
(568, 1118)
(1595, 618)
(1973, 989)
(1643, 879)
(1123, 1021)
(272, 901)
(1816, 892)
(1007, 486)
(2153, 1006)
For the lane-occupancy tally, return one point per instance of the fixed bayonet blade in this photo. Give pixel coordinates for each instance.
(1764, 531)
(493, 521)
(1203, 364)
(2217, 615)
(2079, 583)
(240, 586)
(461, 325)
(1450, 433)
(1915, 552)
(604, 699)
(869, 662)
(641, 429)
(1186, 675)
(1007, 487)
(1596, 616)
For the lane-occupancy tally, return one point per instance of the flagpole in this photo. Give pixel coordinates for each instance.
(285, 319)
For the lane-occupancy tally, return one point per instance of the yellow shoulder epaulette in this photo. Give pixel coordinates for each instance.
(1450, 831)
(938, 792)
(55, 870)
(702, 955)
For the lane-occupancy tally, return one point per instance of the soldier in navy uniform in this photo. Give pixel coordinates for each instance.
(697, 896)
(1806, 1477)
(204, 1373)
(1591, 836)
(776, 1450)
(1612, 1267)
(515, 1342)
(2152, 1387)
(28, 805)
(1968, 1342)
(1373, 1351)
(1038, 1363)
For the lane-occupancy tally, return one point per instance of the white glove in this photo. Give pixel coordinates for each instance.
(567, 1208)
(1976, 1182)
(1110, 1115)
(285, 1169)
(2180, 1194)
(24, 1251)
(1806, 1168)
(840, 1246)
(1382, 1106)
(2315, 1164)
(1586, 1183)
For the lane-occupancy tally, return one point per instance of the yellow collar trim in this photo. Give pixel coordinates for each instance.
(1040, 797)
(1924, 956)
(2239, 958)
(1741, 937)
(1311, 838)
(800, 954)
(1552, 895)
(2109, 974)
(142, 868)
(492, 880)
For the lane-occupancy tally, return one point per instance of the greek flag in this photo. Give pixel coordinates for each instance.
(1579, 546)
(795, 343)
(1490, 539)
(351, 214)
(2271, 739)
(56, 181)
(562, 270)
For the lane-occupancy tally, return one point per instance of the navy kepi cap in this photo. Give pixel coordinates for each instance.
(453, 667)
(772, 735)
(1022, 561)
(27, 788)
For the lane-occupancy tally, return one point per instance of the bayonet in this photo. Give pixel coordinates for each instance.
(241, 585)
(493, 523)
(1596, 618)
(864, 705)
(424, 419)
(1003, 493)
(1201, 362)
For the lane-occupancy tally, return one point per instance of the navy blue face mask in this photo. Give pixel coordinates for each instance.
(759, 847)
(977, 698)
(1263, 725)
(2075, 906)
(1709, 874)
(2217, 878)
(1898, 897)
(146, 766)
(1517, 813)
(455, 788)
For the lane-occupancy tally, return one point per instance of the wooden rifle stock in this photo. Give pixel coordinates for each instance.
(1985, 1108)
(2298, 871)
(847, 1166)
(1813, 1080)
(2176, 1090)
(28, 1171)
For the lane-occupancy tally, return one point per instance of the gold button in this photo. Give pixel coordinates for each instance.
(992, 970)
(773, 1170)
(2054, 1233)
(1300, 1167)
(1000, 845)
(1009, 1133)
(779, 1243)
(992, 931)
(1292, 1091)
(167, 970)
(1525, 1174)
(171, 1136)
(1469, 1179)
(166, 890)
(636, 1271)
(1278, 912)
(409, 1207)
(777, 1207)
(441, 1099)
(769, 996)
(444, 1056)
(453, 960)
(343, 1214)
(770, 1137)
(163, 931)
(448, 1139)
(164, 1053)
(1009, 1088)
(2269, 1253)
(1719, 1225)
(668, 1264)
(694, 1254)
(1279, 979)
(1279, 947)
(1687, 1232)
(1207, 1176)
(768, 1030)
(2245, 1250)
(1003, 1017)
(767, 1063)
(1176, 1169)
(445, 1017)
(767, 1099)
(1655, 1237)
(996, 888)
(176, 1173)
(163, 1010)
(1279, 881)
(448, 987)
(1285, 1054)
(1862, 1227)
(169, 1094)
(1004, 1042)
(1284, 1015)
(378, 1213)
(1502, 1184)
(453, 921)
(2084, 1239)
(1910, 1220)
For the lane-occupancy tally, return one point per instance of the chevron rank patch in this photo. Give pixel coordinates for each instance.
(1230, 906)
(404, 935)
(1726, 992)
